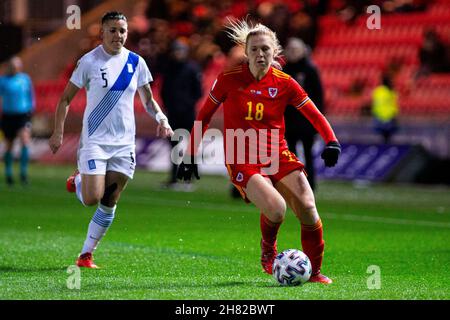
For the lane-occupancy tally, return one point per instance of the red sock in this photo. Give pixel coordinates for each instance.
(269, 229)
(313, 244)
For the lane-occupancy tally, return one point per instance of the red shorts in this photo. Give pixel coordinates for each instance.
(240, 174)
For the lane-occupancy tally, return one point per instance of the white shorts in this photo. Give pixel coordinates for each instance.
(97, 159)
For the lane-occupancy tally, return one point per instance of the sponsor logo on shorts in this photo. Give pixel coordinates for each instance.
(240, 177)
(91, 164)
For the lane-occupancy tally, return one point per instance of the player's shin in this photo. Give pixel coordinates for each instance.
(313, 244)
(98, 226)
(24, 159)
(269, 230)
(8, 158)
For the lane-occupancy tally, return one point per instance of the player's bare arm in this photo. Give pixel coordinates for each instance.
(153, 109)
(62, 108)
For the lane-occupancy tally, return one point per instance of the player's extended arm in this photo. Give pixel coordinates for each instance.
(62, 108)
(204, 117)
(154, 110)
(188, 167)
(332, 150)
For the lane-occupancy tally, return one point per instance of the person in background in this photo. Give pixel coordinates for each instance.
(180, 91)
(432, 55)
(298, 128)
(16, 91)
(385, 109)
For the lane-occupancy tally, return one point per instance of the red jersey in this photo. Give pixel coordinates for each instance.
(255, 109)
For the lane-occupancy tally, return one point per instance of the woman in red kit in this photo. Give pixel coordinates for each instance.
(254, 96)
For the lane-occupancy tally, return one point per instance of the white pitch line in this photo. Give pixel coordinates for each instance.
(251, 208)
(353, 217)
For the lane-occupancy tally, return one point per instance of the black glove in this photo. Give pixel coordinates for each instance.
(185, 171)
(331, 153)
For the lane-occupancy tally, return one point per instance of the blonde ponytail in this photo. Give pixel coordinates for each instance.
(240, 30)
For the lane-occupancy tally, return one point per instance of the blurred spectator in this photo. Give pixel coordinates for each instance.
(432, 54)
(298, 128)
(157, 9)
(304, 21)
(202, 23)
(155, 45)
(235, 57)
(138, 25)
(385, 109)
(304, 26)
(16, 91)
(86, 44)
(351, 10)
(278, 21)
(139, 22)
(180, 91)
(203, 49)
(404, 6)
(322, 7)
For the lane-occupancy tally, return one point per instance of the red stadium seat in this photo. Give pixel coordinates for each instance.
(348, 56)
(348, 53)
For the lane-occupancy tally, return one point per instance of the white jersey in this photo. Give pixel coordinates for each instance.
(111, 82)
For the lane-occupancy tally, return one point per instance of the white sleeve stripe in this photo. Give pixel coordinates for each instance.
(304, 101)
(213, 98)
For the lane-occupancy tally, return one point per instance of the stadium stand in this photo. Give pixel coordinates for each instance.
(351, 58)
(350, 53)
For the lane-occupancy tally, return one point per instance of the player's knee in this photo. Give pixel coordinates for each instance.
(91, 197)
(25, 139)
(309, 207)
(91, 200)
(276, 209)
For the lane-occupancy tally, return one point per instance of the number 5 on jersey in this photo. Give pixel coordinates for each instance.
(105, 84)
(259, 112)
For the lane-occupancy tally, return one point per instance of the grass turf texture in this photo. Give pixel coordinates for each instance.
(205, 245)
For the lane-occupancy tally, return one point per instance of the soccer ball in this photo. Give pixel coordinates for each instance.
(291, 268)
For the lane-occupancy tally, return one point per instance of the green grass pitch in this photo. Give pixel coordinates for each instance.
(205, 245)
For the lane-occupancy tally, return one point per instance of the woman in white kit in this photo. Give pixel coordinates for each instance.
(111, 75)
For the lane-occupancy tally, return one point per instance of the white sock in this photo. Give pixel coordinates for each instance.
(98, 226)
(78, 188)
